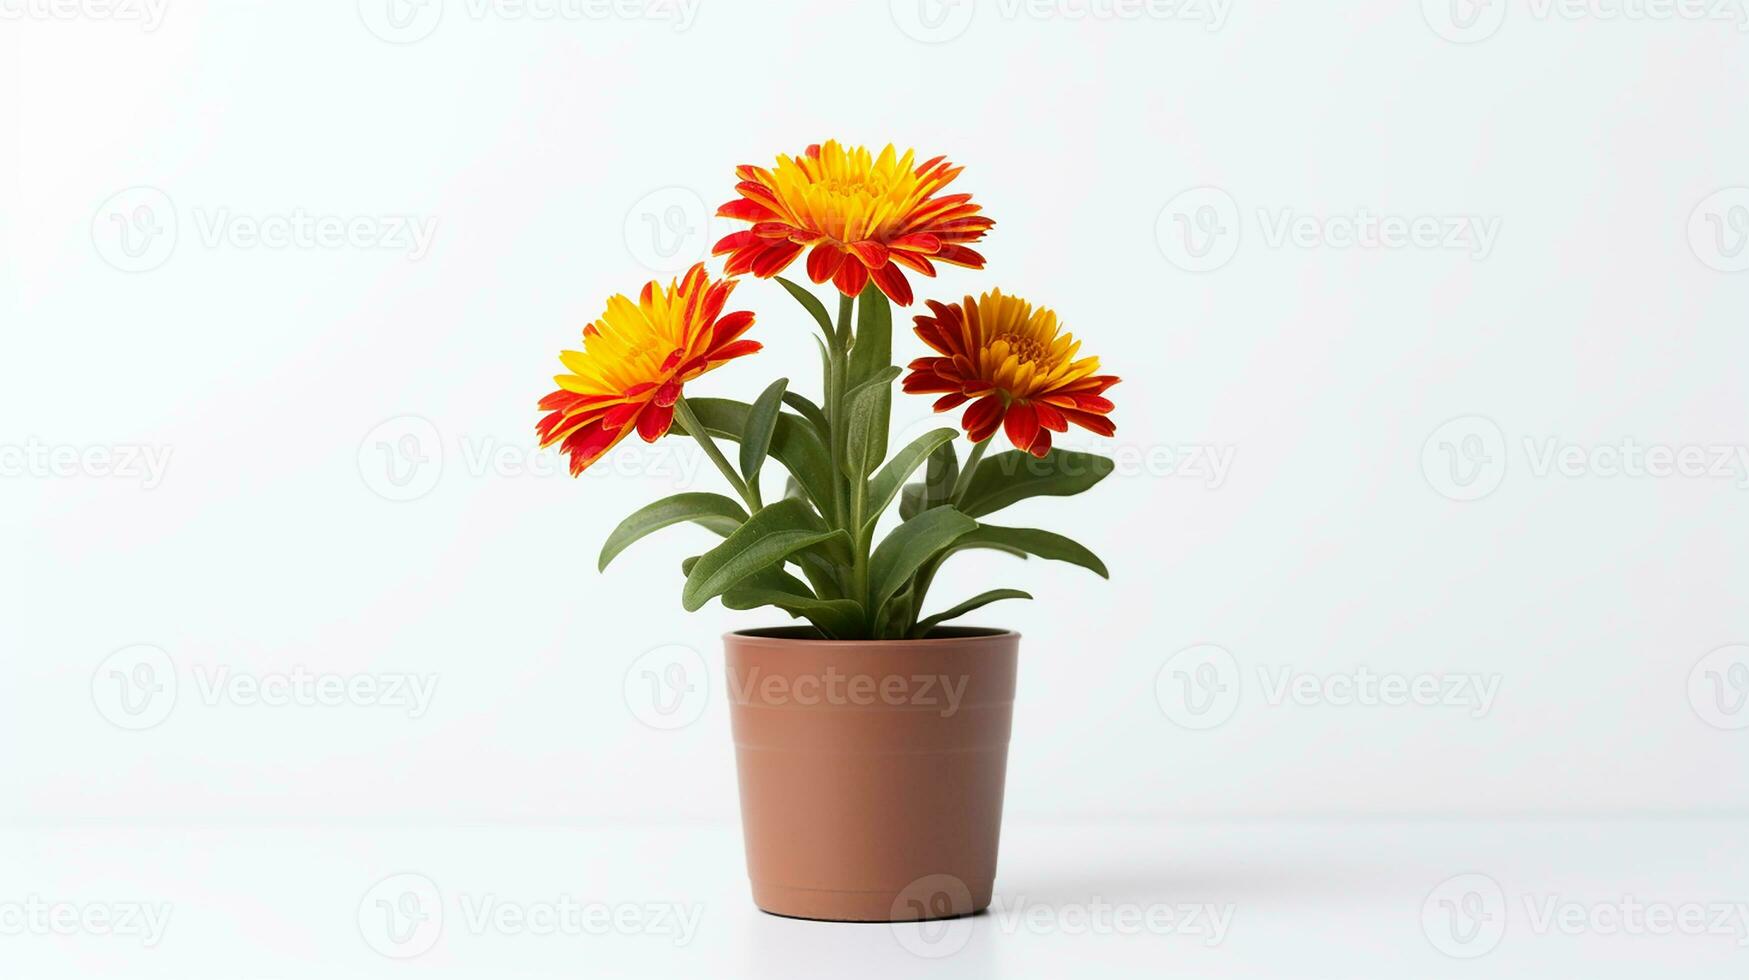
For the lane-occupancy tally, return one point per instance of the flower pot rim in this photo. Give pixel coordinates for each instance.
(807, 636)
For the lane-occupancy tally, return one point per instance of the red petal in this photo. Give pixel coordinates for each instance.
(873, 254)
(983, 418)
(948, 403)
(775, 259)
(1050, 418)
(667, 395)
(960, 255)
(893, 283)
(823, 261)
(922, 242)
(851, 277)
(745, 210)
(731, 326)
(740, 348)
(1022, 425)
(1093, 423)
(654, 421)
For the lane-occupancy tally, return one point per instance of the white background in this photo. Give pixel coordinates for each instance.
(301, 392)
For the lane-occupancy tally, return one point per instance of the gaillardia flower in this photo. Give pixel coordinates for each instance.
(634, 361)
(1019, 365)
(861, 216)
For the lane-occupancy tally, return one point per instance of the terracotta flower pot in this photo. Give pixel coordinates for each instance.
(872, 772)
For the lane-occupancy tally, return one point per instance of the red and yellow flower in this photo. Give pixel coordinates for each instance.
(860, 215)
(1020, 366)
(634, 362)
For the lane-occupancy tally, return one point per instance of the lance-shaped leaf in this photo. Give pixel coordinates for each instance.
(1015, 476)
(809, 302)
(767, 539)
(795, 443)
(839, 619)
(939, 479)
(911, 545)
(712, 511)
(1031, 541)
(761, 423)
(872, 352)
(869, 405)
(891, 479)
(970, 605)
(810, 411)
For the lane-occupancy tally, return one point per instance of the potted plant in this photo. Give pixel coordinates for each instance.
(871, 743)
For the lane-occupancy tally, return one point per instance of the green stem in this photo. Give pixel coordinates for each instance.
(835, 413)
(684, 412)
(964, 483)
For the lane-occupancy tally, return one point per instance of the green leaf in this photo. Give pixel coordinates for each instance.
(809, 302)
(970, 605)
(795, 443)
(913, 501)
(869, 409)
(872, 352)
(712, 511)
(938, 483)
(839, 619)
(910, 546)
(891, 479)
(761, 423)
(1032, 541)
(768, 538)
(1015, 476)
(810, 411)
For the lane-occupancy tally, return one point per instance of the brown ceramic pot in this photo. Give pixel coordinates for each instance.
(872, 772)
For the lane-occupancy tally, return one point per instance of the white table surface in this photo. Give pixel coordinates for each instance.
(1556, 898)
